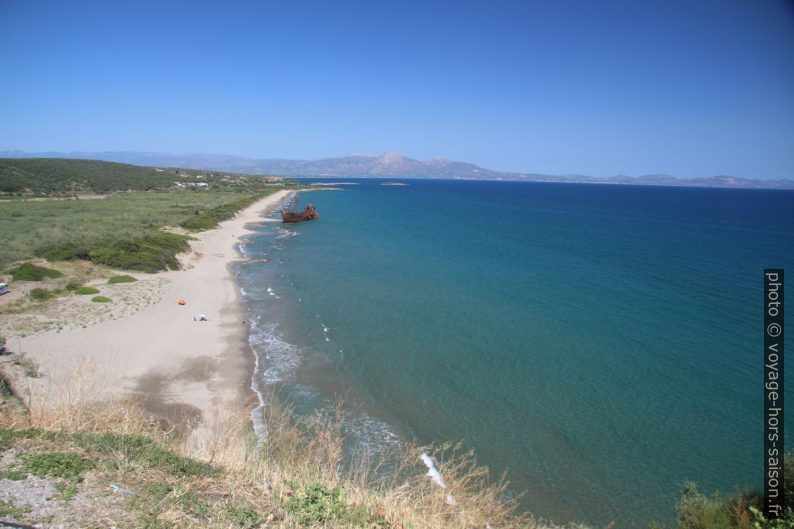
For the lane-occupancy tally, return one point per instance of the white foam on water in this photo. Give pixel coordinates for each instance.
(375, 437)
(258, 413)
(284, 358)
(284, 233)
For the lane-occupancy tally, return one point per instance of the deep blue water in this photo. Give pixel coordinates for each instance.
(601, 343)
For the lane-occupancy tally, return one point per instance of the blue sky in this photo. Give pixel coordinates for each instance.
(690, 88)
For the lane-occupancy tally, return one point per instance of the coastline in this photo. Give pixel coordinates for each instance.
(181, 371)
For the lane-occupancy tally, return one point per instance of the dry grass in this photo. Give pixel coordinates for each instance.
(297, 478)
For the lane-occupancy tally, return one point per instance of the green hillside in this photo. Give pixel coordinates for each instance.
(58, 176)
(55, 175)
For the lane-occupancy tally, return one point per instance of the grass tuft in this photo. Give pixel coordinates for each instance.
(121, 279)
(9, 509)
(86, 291)
(243, 517)
(66, 490)
(101, 299)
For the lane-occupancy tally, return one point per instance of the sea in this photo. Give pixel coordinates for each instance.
(602, 344)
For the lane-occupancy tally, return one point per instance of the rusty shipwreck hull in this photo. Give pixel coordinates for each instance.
(308, 213)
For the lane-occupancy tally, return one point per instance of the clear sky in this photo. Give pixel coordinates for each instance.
(689, 88)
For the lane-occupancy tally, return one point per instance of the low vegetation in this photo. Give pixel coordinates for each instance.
(101, 299)
(86, 291)
(31, 272)
(42, 294)
(121, 279)
(150, 253)
(122, 231)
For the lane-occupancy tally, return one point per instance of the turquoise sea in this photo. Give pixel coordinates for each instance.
(600, 343)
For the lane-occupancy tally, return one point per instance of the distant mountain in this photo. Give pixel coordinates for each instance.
(388, 165)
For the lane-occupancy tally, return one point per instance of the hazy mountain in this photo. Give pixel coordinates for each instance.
(388, 165)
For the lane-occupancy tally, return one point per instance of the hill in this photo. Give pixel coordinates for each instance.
(53, 175)
(58, 176)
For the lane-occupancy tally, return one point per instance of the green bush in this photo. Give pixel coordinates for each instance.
(41, 294)
(121, 279)
(31, 272)
(101, 299)
(85, 291)
(151, 253)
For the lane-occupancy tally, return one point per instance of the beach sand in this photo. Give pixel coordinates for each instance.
(177, 368)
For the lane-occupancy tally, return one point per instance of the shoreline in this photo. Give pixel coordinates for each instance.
(181, 371)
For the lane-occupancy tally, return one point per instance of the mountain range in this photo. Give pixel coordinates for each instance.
(387, 165)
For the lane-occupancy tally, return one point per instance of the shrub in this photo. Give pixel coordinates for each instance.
(41, 294)
(243, 517)
(101, 299)
(121, 279)
(85, 291)
(31, 272)
(317, 504)
(150, 253)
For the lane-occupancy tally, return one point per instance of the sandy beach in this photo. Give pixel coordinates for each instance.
(178, 368)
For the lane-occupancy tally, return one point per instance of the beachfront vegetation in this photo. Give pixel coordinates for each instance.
(121, 231)
(31, 272)
(101, 299)
(121, 279)
(150, 253)
(208, 218)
